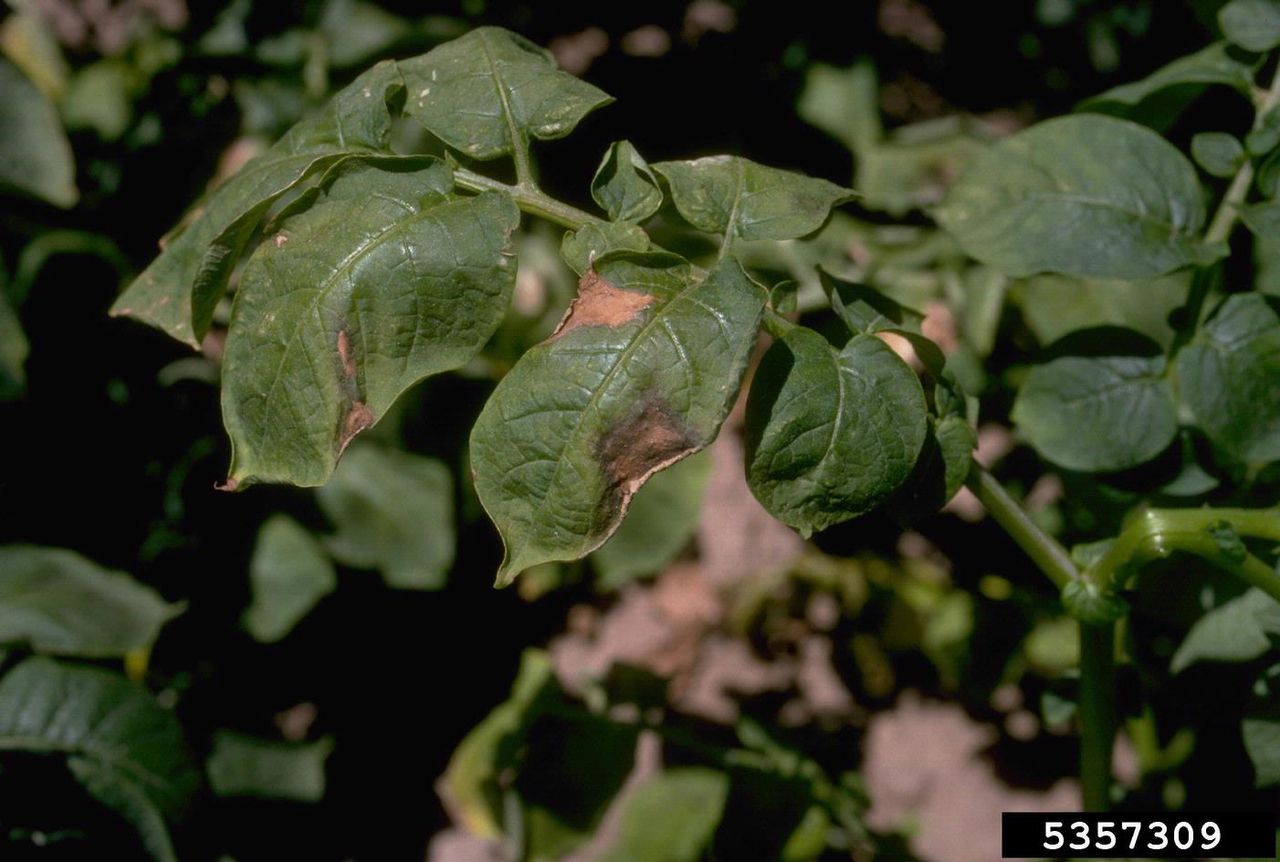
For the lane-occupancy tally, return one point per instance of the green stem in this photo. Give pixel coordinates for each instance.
(529, 198)
(1043, 549)
(1224, 220)
(1097, 713)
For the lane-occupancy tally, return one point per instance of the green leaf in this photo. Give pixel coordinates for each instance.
(582, 247)
(865, 310)
(1097, 414)
(289, 574)
(35, 157)
(247, 766)
(125, 749)
(1239, 629)
(387, 279)
(393, 512)
(688, 802)
(624, 185)
(1219, 153)
(1053, 306)
(662, 519)
(1263, 219)
(1083, 195)
(1227, 376)
(914, 167)
(178, 292)
(1252, 24)
(13, 351)
(745, 200)
(944, 463)
(469, 787)
(640, 373)
(1211, 65)
(489, 92)
(844, 103)
(56, 601)
(830, 434)
(356, 32)
(1261, 729)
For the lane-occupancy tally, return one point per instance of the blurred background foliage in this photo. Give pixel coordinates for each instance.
(333, 676)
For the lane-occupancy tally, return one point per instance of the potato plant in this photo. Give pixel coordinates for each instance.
(375, 245)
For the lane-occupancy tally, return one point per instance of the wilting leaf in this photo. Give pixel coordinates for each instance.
(640, 373)
(1252, 24)
(1227, 378)
(385, 280)
(122, 746)
(289, 573)
(1097, 413)
(1083, 195)
(56, 601)
(688, 802)
(1261, 729)
(469, 786)
(393, 512)
(246, 766)
(662, 519)
(625, 186)
(1240, 629)
(178, 292)
(1211, 65)
(745, 200)
(830, 434)
(1219, 153)
(580, 248)
(35, 157)
(491, 90)
(13, 351)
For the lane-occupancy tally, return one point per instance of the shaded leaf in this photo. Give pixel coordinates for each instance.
(125, 749)
(916, 165)
(357, 31)
(387, 279)
(941, 469)
(1261, 729)
(582, 247)
(745, 200)
(393, 512)
(491, 91)
(1082, 195)
(662, 519)
(35, 157)
(1252, 24)
(640, 373)
(844, 103)
(830, 434)
(56, 601)
(1097, 413)
(178, 292)
(688, 802)
(1263, 219)
(1227, 379)
(469, 787)
(1211, 65)
(1219, 153)
(13, 351)
(624, 185)
(289, 573)
(243, 765)
(1239, 629)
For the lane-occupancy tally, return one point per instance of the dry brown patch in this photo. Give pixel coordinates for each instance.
(600, 303)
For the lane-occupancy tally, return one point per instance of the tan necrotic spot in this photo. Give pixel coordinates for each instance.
(600, 303)
(650, 438)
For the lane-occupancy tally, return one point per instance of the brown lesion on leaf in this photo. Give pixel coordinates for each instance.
(649, 438)
(601, 303)
(358, 416)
